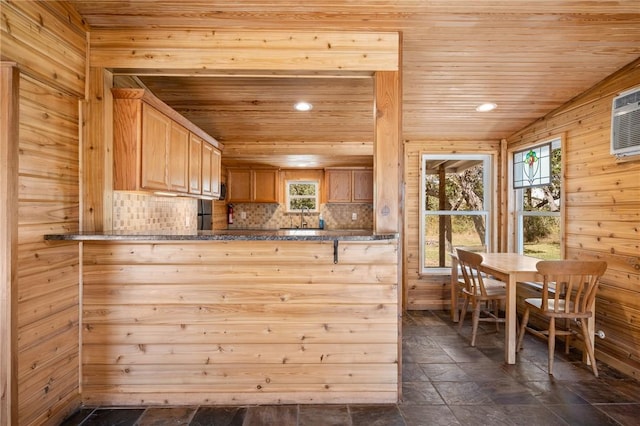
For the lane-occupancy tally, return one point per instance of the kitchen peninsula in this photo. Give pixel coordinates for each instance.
(239, 317)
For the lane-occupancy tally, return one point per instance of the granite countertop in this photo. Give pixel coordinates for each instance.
(229, 235)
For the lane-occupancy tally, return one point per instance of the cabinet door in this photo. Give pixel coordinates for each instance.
(196, 157)
(207, 154)
(178, 158)
(363, 186)
(265, 186)
(338, 185)
(210, 170)
(216, 167)
(239, 185)
(156, 131)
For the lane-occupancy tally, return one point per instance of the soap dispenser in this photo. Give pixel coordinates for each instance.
(320, 222)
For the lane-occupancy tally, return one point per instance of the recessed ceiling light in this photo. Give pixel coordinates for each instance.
(486, 107)
(303, 106)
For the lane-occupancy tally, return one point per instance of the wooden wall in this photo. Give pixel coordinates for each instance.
(47, 41)
(240, 322)
(428, 291)
(602, 211)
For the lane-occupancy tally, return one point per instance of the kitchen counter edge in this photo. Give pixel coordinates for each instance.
(228, 235)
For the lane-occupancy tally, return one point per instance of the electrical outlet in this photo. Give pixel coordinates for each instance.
(354, 216)
(243, 215)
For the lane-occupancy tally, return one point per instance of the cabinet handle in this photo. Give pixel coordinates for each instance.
(335, 251)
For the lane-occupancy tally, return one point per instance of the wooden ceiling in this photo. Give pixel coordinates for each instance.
(528, 57)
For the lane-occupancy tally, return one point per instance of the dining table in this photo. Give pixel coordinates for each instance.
(510, 268)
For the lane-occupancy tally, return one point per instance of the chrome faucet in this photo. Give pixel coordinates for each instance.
(303, 224)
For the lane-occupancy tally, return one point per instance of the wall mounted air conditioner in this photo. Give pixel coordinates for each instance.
(625, 123)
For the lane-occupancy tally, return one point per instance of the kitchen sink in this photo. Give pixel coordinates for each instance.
(301, 229)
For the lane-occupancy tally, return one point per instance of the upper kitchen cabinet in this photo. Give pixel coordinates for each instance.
(179, 157)
(155, 148)
(196, 155)
(349, 185)
(253, 185)
(210, 171)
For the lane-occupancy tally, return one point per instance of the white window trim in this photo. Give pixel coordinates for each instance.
(288, 197)
(487, 201)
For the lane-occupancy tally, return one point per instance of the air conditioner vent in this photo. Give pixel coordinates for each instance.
(625, 124)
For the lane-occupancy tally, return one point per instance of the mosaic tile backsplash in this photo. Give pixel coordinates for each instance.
(139, 211)
(274, 216)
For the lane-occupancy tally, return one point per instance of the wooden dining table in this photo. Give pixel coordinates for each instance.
(509, 268)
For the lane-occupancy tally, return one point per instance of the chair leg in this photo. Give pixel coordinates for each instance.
(567, 339)
(523, 326)
(463, 312)
(587, 344)
(552, 342)
(476, 320)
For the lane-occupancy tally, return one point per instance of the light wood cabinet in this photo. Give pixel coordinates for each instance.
(178, 159)
(349, 185)
(253, 185)
(155, 148)
(362, 186)
(195, 164)
(210, 171)
(156, 132)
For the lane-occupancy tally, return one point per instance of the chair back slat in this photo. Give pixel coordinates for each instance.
(469, 264)
(574, 285)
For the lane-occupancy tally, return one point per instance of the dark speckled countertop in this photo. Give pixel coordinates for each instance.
(229, 235)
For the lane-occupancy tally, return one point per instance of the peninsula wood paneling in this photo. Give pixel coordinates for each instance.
(47, 41)
(428, 291)
(602, 211)
(240, 322)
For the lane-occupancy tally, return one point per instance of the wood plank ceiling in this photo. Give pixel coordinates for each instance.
(527, 57)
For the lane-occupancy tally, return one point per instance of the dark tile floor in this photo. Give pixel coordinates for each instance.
(445, 382)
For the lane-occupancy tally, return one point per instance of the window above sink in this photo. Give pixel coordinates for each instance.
(302, 195)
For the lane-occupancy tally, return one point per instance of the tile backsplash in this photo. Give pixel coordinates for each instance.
(139, 211)
(273, 216)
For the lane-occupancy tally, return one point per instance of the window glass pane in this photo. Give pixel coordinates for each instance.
(302, 189)
(299, 203)
(531, 167)
(542, 236)
(457, 230)
(463, 188)
(302, 194)
(546, 198)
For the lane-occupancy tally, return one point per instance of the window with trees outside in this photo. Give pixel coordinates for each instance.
(538, 206)
(455, 206)
(302, 195)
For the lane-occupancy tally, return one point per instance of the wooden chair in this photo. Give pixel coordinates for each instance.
(457, 280)
(481, 291)
(568, 292)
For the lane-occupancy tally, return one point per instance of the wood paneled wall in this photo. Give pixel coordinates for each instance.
(428, 291)
(602, 211)
(240, 322)
(47, 41)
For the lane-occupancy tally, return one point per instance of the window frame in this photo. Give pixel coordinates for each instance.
(488, 203)
(516, 198)
(288, 197)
